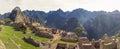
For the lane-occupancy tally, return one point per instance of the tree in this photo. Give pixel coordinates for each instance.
(19, 27)
(79, 30)
(7, 21)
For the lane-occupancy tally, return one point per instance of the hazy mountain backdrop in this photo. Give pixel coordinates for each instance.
(95, 23)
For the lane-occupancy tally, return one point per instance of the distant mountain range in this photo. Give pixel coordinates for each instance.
(107, 22)
(95, 23)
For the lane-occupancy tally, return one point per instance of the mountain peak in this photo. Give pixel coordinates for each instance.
(18, 16)
(60, 10)
(17, 8)
(14, 13)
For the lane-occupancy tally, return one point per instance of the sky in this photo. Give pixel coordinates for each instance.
(65, 5)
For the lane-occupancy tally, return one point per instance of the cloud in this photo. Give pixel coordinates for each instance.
(47, 5)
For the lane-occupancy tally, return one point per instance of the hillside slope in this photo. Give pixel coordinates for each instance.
(13, 39)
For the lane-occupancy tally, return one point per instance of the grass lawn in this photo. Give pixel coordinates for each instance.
(64, 42)
(13, 39)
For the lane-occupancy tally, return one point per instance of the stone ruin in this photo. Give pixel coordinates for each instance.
(96, 44)
(32, 41)
(43, 34)
(84, 43)
(118, 43)
(65, 46)
(105, 43)
(36, 43)
(69, 37)
(48, 32)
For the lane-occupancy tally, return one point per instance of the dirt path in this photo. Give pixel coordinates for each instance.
(14, 43)
(2, 46)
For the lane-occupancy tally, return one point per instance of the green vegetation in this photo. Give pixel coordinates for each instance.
(117, 35)
(6, 20)
(64, 42)
(13, 39)
(19, 27)
(79, 30)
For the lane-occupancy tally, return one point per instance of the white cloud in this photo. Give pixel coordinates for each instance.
(46, 5)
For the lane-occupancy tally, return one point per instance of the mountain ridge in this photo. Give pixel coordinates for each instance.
(57, 19)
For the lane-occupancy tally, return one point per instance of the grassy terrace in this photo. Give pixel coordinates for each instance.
(13, 39)
(71, 43)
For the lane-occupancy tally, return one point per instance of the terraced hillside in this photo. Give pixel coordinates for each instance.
(13, 39)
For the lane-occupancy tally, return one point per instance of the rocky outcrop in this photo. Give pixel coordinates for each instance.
(18, 17)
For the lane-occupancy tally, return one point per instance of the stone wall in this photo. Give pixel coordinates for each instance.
(118, 43)
(104, 43)
(87, 46)
(44, 34)
(96, 44)
(48, 32)
(69, 37)
(32, 41)
(65, 46)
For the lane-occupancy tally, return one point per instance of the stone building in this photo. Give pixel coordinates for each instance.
(107, 43)
(65, 46)
(104, 43)
(69, 37)
(118, 43)
(96, 44)
(84, 43)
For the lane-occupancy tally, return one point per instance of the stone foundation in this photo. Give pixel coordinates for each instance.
(32, 41)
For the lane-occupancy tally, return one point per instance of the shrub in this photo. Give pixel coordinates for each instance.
(19, 27)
